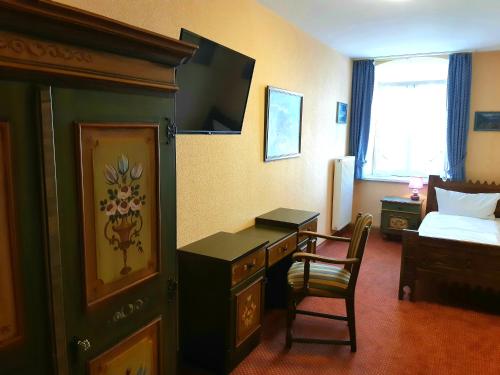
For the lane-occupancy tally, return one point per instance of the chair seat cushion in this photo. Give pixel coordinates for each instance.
(322, 277)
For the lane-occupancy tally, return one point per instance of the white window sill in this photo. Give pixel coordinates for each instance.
(392, 179)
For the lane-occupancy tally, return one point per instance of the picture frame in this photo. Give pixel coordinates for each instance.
(283, 124)
(487, 121)
(11, 321)
(341, 113)
(137, 354)
(118, 165)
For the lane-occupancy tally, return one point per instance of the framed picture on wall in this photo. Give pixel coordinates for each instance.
(341, 113)
(487, 121)
(283, 124)
(119, 185)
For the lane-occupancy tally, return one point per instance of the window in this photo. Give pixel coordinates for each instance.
(408, 122)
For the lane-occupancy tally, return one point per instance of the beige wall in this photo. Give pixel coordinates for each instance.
(483, 148)
(367, 196)
(222, 181)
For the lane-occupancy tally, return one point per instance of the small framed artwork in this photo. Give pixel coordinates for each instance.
(487, 121)
(283, 124)
(10, 312)
(341, 113)
(138, 354)
(119, 188)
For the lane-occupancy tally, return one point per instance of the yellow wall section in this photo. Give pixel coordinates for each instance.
(483, 148)
(222, 181)
(367, 196)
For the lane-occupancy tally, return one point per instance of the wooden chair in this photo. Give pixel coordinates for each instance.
(315, 275)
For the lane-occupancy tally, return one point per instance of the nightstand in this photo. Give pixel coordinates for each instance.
(399, 213)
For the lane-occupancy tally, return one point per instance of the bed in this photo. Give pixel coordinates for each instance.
(452, 249)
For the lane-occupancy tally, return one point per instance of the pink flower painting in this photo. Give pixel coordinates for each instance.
(123, 207)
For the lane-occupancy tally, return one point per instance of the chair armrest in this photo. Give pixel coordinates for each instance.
(314, 234)
(308, 256)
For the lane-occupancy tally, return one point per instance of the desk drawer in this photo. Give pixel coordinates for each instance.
(247, 266)
(281, 249)
(311, 226)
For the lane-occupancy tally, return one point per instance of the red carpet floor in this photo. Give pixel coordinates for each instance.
(394, 337)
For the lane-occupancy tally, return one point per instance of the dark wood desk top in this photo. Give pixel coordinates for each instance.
(225, 246)
(269, 229)
(286, 217)
(267, 233)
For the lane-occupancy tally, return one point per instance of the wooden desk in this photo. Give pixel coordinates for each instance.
(221, 286)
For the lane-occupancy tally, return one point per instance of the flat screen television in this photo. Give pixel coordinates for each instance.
(213, 88)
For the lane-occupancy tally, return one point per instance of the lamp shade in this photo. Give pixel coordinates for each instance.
(416, 183)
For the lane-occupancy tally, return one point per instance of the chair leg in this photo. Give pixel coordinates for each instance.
(351, 321)
(294, 310)
(290, 316)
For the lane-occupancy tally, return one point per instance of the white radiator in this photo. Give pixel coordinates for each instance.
(343, 184)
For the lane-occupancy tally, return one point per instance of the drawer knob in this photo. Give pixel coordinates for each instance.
(284, 249)
(248, 266)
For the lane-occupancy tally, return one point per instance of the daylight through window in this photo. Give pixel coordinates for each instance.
(408, 123)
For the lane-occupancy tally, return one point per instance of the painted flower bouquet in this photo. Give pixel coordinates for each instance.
(123, 207)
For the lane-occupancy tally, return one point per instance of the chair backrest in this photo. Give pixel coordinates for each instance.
(356, 249)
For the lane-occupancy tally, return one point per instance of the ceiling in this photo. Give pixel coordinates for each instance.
(377, 28)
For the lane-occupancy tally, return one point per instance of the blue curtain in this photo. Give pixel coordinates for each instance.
(459, 86)
(363, 77)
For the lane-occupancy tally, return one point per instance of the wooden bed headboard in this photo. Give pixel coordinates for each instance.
(464, 187)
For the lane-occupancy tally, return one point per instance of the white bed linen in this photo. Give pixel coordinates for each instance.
(460, 228)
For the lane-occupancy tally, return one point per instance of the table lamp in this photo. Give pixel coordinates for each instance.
(416, 183)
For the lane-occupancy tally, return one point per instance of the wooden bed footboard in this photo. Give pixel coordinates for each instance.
(451, 261)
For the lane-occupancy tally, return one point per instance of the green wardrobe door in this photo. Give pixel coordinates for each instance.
(120, 327)
(30, 351)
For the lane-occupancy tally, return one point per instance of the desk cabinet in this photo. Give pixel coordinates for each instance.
(221, 296)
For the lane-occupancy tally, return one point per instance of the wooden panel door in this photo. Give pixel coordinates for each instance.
(115, 179)
(248, 311)
(25, 345)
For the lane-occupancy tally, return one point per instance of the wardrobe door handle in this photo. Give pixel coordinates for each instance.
(83, 345)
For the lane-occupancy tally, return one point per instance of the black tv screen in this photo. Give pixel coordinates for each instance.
(213, 88)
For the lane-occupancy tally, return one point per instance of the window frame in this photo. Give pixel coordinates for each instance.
(371, 149)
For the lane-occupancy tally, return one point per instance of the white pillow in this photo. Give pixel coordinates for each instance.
(480, 205)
